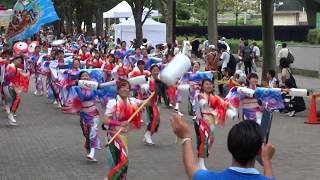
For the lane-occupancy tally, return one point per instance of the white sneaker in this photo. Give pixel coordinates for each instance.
(147, 138)
(292, 113)
(91, 158)
(12, 121)
(55, 102)
(179, 113)
(194, 117)
(170, 105)
(58, 105)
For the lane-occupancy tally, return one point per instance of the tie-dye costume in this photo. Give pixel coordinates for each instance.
(107, 69)
(253, 107)
(35, 67)
(195, 79)
(205, 123)
(89, 117)
(152, 108)
(120, 111)
(136, 89)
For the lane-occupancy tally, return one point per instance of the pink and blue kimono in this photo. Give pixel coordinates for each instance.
(264, 99)
(89, 116)
(194, 79)
(34, 66)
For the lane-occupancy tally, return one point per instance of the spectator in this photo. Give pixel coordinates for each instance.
(246, 55)
(241, 47)
(296, 104)
(286, 53)
(273, 81)
(195, 46)
(245, 142)
(225, 56)
(256, 55)
(223, 41)
(223, 63)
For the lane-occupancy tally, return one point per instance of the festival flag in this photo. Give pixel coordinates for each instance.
(28, 17)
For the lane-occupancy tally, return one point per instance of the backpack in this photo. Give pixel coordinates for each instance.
(290, 57)
(247, 54)
(232, 62)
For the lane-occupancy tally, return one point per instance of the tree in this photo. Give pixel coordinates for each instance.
(183, 14)
(212, 22)
(240, 6)
(138, 7)
(269, 57)
(312, 7)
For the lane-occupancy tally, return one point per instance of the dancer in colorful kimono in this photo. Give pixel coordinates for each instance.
(194, 91)
(15, 81)
(152, 108)
(118, 111)
(71, 80)
(138, 71)
(107, 67)
(252, 110)
(89, 117)
(37, 72)
(135, 58)
(211, 110)
(194, 79)
(95, 61)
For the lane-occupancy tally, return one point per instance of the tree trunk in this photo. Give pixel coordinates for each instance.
(137, 9)
(88, 26)
(171, 21)
(99, 17)
(237, 18)
(269, 57)
(139, 32)
(312, 9)
(99, 23)
(79, 17)
(212, 22)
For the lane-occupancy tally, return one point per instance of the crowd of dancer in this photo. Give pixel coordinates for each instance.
(59, 68)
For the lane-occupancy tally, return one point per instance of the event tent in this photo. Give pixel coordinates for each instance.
(154, 31)
(123, 10)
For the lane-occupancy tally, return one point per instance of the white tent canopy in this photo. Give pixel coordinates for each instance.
(123, 10)
(154, 31)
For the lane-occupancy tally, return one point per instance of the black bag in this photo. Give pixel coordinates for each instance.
(290, 57)
(291, 82)
(298, 104)
(247, 54)
(232, 64)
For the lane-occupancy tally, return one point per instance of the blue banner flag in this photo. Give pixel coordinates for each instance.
(28, 17)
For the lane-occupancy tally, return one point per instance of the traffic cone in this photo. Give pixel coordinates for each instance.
(313, 119)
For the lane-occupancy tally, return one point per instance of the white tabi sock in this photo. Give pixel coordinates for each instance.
(92, 152)
(201, 164)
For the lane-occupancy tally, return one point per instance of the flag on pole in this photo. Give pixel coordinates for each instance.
(28, 17)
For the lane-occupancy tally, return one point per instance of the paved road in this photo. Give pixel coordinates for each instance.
(49, 145)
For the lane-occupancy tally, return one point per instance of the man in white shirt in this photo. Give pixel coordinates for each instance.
(223, 41)
(224, 58)
(284, 52)
(256, 55)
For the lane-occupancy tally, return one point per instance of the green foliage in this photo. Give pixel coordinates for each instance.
(186, 23)
(257, 22)
(8, 3)
(313, 36)
(183, 14)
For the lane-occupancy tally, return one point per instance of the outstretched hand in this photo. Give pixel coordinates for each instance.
(179, 126)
